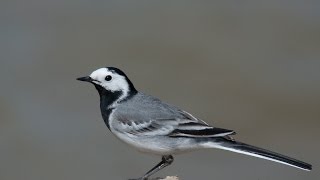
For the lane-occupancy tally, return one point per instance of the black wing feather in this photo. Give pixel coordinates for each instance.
(207, 132)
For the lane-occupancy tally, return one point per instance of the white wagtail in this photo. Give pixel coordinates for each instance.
(153, 126)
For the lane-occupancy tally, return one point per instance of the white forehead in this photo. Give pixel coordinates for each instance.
(117, 83)
(99, 73)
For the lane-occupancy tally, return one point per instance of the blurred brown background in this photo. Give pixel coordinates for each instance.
(253, 67)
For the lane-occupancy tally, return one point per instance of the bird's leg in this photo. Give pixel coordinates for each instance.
(166, 161)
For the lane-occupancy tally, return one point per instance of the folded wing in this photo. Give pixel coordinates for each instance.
(185, 125)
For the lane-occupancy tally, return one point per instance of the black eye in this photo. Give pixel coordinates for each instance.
(108, 78)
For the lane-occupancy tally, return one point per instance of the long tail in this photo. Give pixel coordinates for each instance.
(239, 147)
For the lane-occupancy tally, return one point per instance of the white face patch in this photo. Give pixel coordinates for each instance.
(117, 83)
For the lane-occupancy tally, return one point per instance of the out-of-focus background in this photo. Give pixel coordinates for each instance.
(253, 67)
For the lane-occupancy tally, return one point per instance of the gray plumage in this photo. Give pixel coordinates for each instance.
(153, 126)
(145, 109)
(146, 118)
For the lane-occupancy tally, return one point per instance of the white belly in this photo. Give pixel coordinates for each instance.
(159, 145)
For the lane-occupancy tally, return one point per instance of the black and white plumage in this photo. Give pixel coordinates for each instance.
(153, 126)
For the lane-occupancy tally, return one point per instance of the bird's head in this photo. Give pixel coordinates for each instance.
(110, 80)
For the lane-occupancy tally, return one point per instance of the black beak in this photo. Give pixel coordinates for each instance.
(85, 78)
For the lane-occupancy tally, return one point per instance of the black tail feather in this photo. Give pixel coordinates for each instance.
(247, 149)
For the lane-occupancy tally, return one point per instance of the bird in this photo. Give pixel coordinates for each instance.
(153, 126)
